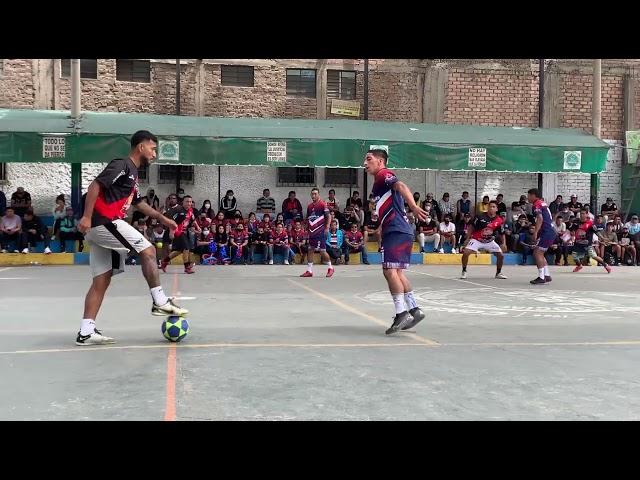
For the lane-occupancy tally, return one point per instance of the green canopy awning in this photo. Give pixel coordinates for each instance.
(53, 136)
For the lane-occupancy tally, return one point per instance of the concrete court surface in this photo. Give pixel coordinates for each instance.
(267, 345)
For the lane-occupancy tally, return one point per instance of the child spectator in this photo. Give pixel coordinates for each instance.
(252, 223)
(298, 240)
(261, 241)
(69, 231)
(281, 243)
(239, 245)
(58, 213)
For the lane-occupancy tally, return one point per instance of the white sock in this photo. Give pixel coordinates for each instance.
(159, 298)
(398, 302)
(329, 264)
(88, 326)
(546, 271)
(541, 273)
(310, 267)
(410, 300)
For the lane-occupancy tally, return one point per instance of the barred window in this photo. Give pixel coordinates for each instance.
(237, 75)
(340, 177)
(169, 173)
(133, 70)
(88, 68)
(341, 84)
(301, 82)
(3, 172)
(292, 176)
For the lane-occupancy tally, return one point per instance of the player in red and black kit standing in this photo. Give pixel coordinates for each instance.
(111, 238)
(184, 217)
(317, 228)
(390, 196)
(482, 236)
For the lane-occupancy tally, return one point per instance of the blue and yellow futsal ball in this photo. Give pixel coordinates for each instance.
(175, 328)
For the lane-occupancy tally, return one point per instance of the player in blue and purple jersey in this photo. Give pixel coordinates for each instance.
(390, 195)
(544, 233)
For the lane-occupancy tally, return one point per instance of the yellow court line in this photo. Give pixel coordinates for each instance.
(355, 311)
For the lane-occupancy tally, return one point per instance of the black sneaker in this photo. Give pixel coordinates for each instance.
(95, 338)
(547, 279)
(537, 281)
(399, 321)
(417, 314)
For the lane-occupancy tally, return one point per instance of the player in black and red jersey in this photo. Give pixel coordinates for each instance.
(184, 217)
(482, 236)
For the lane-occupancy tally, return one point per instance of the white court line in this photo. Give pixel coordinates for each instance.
(15, 278)
(5, 269)
(456, 279)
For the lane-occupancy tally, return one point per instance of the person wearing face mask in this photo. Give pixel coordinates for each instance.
(202, 242)
(447, 232)
(428, 233)
(228, 204)
(463, 205)
(207, 210)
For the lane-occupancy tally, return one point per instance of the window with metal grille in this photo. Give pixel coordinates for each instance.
(169, 173)
(292, 176)
(143, 173)
(133, 70)
(88, 68)
(3, 172)
(341, 84)
(301, 82)
(340, 177)
(1, 66)
(237, 75)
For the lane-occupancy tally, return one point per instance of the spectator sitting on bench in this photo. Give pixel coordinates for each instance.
(428, 233)
(354, 243)
(10, 230)
(447, 232)
(281, 243)
(59, 212)
(628, 246)
(372, 230)
(298, 240)
(239, 244)
(69, 230)
(261, 241)
(203, 240)
(33, 231)
(527, 242)
(333, 241)
(20, 201)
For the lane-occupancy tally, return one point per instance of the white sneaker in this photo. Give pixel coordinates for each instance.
(95, 338)
(47, 251)
(453, 250)
(270, 262)
(25, 250)
(501, 276)
(168, 308)
(441, 250)
(463, 276)
(17, 251)
(3, 251)
(286, 262)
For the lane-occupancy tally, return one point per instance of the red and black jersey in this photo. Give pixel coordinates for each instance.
(118, 191)
(183, 218)
(298, 236)
(281, 238)
(486, 228)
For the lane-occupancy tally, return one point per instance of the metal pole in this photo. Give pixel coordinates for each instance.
(596, 115)
(540, 110)
(218, 188)
(179, 169)
(76, 168)
(476, 192)
(365, 186)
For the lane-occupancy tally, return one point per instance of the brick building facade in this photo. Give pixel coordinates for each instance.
(477, 92)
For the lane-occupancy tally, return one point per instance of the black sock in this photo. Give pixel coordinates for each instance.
(464, 268)
(186, 264)
(498, 270)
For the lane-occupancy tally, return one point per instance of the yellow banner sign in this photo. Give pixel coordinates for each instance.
(345, 107)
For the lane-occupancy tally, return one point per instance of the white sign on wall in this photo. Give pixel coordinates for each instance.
(572, 160)
(53, 147)
(277, 152)
(169, 151)
(478, 157)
